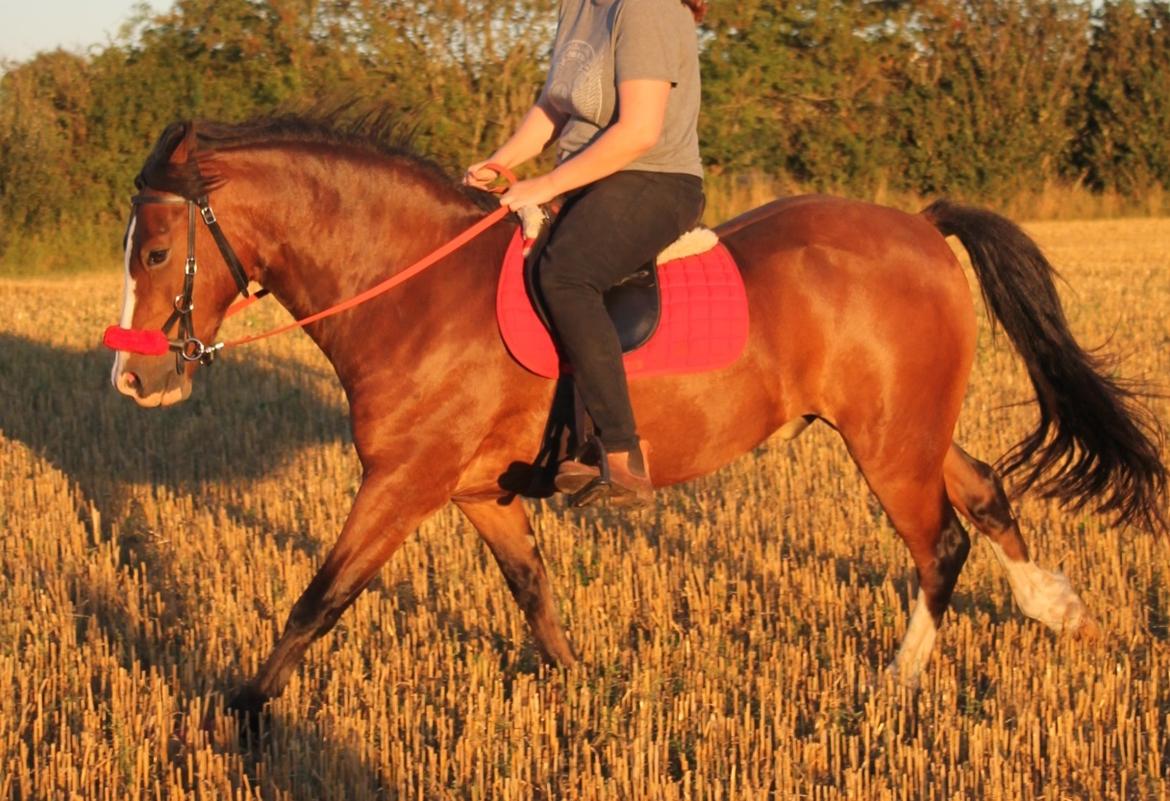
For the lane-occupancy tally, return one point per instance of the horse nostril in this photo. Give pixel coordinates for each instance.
(128, 382)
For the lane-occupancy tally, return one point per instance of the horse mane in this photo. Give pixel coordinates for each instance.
(378, 132)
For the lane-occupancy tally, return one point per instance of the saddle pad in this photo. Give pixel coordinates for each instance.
(704, 322)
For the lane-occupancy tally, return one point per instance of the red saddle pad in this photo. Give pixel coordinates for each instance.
(704, 322)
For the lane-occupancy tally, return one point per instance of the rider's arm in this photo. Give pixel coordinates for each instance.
(540, 126)
(642, 110)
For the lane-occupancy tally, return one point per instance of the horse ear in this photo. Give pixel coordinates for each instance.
(200, 164)
(157, 168)
(185, 141)
(177, 165)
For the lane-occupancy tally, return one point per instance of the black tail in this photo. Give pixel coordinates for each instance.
(1095, 443)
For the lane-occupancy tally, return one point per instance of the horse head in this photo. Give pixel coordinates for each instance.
(164, 284)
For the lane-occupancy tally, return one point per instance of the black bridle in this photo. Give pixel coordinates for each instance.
(187, 346)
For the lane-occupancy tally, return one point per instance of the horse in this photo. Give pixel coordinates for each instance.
(861, 319)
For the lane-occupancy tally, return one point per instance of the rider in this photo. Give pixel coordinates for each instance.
(622, 93)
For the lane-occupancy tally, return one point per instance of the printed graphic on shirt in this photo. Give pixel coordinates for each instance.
(576, 85)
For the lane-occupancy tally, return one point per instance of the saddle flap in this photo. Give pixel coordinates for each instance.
(635, 307)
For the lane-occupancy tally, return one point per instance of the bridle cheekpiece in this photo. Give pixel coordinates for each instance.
(187, 347)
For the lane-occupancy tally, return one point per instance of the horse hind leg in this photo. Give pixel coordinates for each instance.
(939, 547)
(920, 513)
(977, 492)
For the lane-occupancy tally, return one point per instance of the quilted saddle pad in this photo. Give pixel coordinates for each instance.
(703, 323)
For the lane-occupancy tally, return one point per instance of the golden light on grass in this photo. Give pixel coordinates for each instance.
(729, 637)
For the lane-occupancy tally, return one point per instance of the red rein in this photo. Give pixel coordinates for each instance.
(155, 343)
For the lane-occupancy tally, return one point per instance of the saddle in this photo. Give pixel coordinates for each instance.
(686, 312)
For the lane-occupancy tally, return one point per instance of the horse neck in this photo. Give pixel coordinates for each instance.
(325, 227)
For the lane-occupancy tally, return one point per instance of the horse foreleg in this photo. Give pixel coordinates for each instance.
(376, 526)
(508, 534)
(977, 492)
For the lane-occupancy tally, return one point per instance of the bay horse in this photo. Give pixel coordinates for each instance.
(861, 317)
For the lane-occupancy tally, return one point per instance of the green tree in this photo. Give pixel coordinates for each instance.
(987, 94)
(43, 127)
(981, 98)
(1124, 116)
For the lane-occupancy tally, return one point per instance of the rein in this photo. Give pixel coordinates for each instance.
(189, 348)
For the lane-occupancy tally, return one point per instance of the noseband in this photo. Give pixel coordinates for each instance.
(187, 347)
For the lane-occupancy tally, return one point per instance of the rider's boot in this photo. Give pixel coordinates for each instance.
(626, 483)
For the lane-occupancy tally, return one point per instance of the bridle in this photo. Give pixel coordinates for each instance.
(187, 347)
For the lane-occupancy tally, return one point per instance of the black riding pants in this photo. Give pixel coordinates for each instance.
(606, 231)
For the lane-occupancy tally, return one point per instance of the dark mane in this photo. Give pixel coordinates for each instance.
(378, 132)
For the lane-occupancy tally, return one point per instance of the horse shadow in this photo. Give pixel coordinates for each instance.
(271, 756)
(241, 422)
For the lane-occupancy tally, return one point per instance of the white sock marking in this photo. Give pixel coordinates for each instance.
(916, 646)
(1042, 595)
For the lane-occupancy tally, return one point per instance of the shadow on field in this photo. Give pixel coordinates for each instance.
(241, 421)
(292, 757)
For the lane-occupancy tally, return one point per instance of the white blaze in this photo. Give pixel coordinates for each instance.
(127, 296)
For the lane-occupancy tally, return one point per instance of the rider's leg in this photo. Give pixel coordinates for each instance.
(605, 232)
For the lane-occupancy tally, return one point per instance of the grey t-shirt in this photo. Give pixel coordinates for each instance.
(602, 42)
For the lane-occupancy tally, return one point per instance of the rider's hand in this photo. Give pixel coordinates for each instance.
(533, 192)
(479, 175)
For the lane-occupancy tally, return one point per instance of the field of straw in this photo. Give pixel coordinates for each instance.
(728, 636)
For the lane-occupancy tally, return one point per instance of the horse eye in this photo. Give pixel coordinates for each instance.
(156, 257)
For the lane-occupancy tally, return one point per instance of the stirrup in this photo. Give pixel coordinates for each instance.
(601, 485)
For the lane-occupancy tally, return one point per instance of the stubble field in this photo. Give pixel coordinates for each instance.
(728, 636)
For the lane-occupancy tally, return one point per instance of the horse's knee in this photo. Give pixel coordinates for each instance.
(313, 615)
(508, 535)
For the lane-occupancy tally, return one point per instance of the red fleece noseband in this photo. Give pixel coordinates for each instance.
(145, 343)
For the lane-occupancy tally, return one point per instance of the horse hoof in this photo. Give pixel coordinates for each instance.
(247, 707)
(900, 678)
(1086, 630)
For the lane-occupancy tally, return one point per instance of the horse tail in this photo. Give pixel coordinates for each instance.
(1095, 442)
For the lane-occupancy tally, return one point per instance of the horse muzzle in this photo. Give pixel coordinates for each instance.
(150, 382)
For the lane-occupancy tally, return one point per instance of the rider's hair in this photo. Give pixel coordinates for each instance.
(697, 7)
